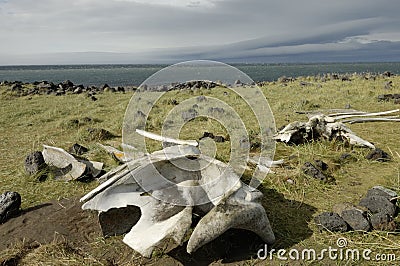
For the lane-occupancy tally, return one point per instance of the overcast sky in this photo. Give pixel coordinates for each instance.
(162, 31)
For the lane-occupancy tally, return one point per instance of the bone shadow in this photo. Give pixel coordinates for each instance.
(289, 220)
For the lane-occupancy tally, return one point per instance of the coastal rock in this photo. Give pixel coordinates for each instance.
(211, 136)
(321, 165)
(356, 219)
(67, 84)
(388, 85)
(382, 221)
(189, 114)
(310, 170)
(201, 98)
(244, 143)
(99, 134)
(379, 204)
(384, 192)
(78, 90)
(78, 149)
(219, 139)
(216, 110)
(378, 155)
(388, 97)
(34, 163)
(331, 221)
(387, 74)
(347, 157)
(10, 202)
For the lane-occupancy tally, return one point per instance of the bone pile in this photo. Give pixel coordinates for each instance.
(332, 126)
(238, 207)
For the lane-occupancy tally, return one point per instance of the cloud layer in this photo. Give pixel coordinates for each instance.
(139, 31)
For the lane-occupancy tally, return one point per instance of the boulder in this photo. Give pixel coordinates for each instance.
(378, 155)
(382, 221)
(10, 202)
(219, 139)
(34, 163)
(67, 84)
(189, 115)
(388, 97)
(384, 192)
(377, 204)
(355, 217)
(99, 134)
(331, 221)
(78, 149)
(310, 170)
(321, 165)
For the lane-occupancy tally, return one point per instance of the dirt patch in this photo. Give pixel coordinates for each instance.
(44, 223)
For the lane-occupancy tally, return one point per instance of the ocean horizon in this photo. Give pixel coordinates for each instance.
(135, 74)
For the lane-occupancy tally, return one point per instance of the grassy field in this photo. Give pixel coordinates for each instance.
(26, 123)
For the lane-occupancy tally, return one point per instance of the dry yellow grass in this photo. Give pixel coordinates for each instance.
(28, 122)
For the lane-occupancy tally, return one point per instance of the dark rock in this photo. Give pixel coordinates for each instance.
(310, 170)
(78, 90)
(207, 135)
(15, 87)
(387, 74)
(10, 202)
(384, 192)
(105, 86)
(99, 134)
(86, 120)
(388, 97)
(388, 85)
(93, 98)
(356, 219)
(382, 221)
(34, 163)
(244, 143)
(378, 155)
(219, 139)
(201, 98)
(347, 157)
(216, 110)
(189, 115)
(118, 221)
(78, 149)
(396, 101)
(321, 165)
(331, 221)
(305, 83)
(67, 84)
(140, 114)
(238, 83)
(378, 204)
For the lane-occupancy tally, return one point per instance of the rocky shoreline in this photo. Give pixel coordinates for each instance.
(19, 88)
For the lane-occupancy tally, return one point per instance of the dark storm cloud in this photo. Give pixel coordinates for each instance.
(57, 31)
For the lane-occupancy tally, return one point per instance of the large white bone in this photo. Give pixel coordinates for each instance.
(162, 220)
(69, 167)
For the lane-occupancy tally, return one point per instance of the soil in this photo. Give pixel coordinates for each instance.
(80, 229)
(43, 223)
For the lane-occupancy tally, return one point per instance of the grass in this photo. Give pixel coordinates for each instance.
(30, 121)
